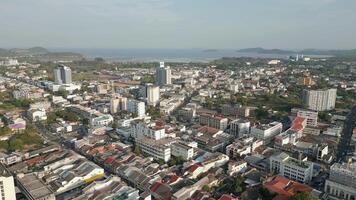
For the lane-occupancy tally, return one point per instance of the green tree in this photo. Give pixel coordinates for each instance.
(114, 125)
(63, 93)
(161, 162)
(15, 144)
(324, 116)
(137, 150)
(147, 79)
(5, 131)
(261, 113)
(154, 112)
(237, 186)
(206, 188)
(266, 194)
(303, 196)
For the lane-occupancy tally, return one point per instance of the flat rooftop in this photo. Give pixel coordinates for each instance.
(34, 186)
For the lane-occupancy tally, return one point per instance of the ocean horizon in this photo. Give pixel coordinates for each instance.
(168, 55)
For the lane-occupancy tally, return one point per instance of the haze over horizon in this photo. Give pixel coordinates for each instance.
(205, 24)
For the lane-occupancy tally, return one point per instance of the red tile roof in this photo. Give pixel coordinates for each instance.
(109, 160)
(155, 186)
(285, 187)
(194, 167)
(226, 197)
(298, 124)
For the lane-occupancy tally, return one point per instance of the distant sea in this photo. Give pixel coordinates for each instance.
(168, 55)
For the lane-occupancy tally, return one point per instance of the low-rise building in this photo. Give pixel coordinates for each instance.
(158, 149)
(266, 131)
(34, 188)
(342, 181)
(310, 115)
(239, 127)
(213, 121)
(300, 170)
(36, 115)
(236, 167)
(182, 150)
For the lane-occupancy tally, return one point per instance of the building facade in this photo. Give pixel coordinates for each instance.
(7, 185)
(239, 127)
(213, 121)
(137, 107)
(182, 150)
(310, 115)
(163, 75)
(299, 170)
(320, 100)
(266, 131)
(118, 103)
(62, 75)
(342, 181)
(153, 95)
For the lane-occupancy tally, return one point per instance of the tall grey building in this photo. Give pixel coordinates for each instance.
(62, 75)
(163, 75)
(320, 100)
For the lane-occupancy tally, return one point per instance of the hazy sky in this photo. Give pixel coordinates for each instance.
(178, 23)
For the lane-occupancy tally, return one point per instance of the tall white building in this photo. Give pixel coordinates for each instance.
(62, 75)
(342, 181)
(138, 107)
(163, 75)
(153, 95)
(239, 127)
(7, 185)
(299, 170)
(320, 100)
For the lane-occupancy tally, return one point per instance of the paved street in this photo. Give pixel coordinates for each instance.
(345, 140)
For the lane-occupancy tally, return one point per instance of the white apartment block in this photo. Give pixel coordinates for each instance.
(310, 115)
(153, 94)
(137, 107)
(342, 181)
(151, 131)
(182, 150)
(239, 127)
(155, 148)
(320, 100)
(7, 185)
(213, 121)
(299, 170)
(102, 120)
(266, 131)
(36, 115)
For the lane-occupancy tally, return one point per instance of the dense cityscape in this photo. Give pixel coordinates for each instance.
(232, 128)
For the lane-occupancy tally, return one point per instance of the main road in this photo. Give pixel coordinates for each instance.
(344, 143)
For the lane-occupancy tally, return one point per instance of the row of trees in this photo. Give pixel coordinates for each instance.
(64, 114)
(19, 141)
